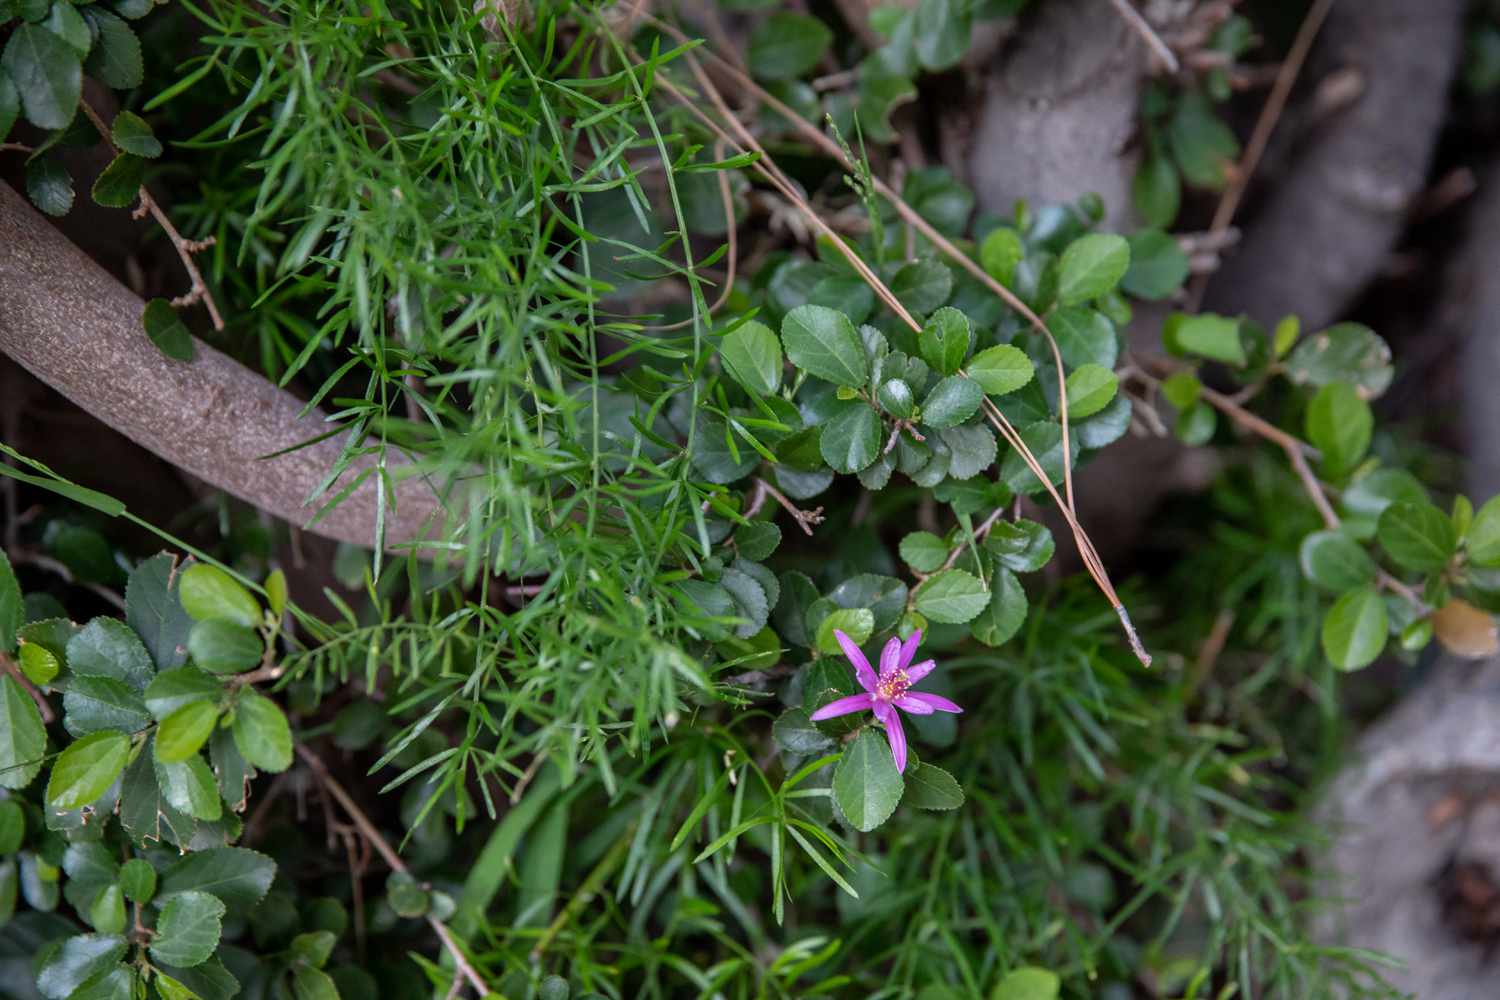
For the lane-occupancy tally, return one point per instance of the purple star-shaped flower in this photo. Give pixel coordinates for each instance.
(890, 691)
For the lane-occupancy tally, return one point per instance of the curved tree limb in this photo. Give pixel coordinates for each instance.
(1328, 226)
(72, 325)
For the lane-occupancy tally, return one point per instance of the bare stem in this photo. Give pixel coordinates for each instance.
(1140, 26)
(805, 518)
(374, 838)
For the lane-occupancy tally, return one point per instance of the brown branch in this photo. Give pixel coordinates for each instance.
(198, 290)
(72, 325)
(1139, 25)
(373, 837)
(805, 518)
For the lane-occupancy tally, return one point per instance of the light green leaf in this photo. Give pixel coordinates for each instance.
(896, 398)
(1028, 983)
(857, 623)
(752, 356)
(188, 930)
(86, 769)
(1483, 539)
(952, 597)
(1000, 369)
(1209, 336)
(1084, 336)
(220, 646)
(209, 592)
(1417, 536)
(262, 734)
(923, 551)
(1158, 267)
(138, 880)
(825, 344)
(999, 254)
(1091, 266)
(189, 787)
(941, 32)
(23, 737)
(1090, 389)
(107, 913)
(866, 784)
(175, 688)
(313, 984)
(1339, 424)
(184, 732)
(1354, 629)
(952, 401)
(929, 787)
(47, 72)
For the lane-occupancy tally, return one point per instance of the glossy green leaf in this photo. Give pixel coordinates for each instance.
(209, 592)
(851, 440)
(116, 57)
(80, 959)
(896, 398)
(952, 597)
(1417, 536)
(120, 182)
(1084, 336)
(91, 704)
(309, 983)
(1023, 546)
(1091, 266)
(922, 285)
(154, 611)
(1001, 369)
(1354, 630)
(85, 770)
(220, 646)
(173, 689)
(48, 185)
(944, 340)
(47, 72)
(106, 647)
(262, 734)
(1345, 352)
(857, 623)
(866, 784)
(138, 880)
(188, 786)
(188, 930)
(952, 400)
(752, 356)
(238, 876)
(107, 912)
(1005, 612)
(825, 344)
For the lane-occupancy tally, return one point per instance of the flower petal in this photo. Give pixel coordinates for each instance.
(897, 737)
(843, 706)
(883, 709)
(890, 657)
(916, 706)
(856, 656)
(937, 701)
(909, 648)
(916, 673)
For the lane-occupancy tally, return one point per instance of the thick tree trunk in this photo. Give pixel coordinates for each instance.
(64, 319)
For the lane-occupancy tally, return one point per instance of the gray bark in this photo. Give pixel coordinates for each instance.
(1060, 110)
(1329, 224)
(72, 325)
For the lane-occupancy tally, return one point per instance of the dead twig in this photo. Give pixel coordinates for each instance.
(368, 831)
(1141, 27)
(805, 518)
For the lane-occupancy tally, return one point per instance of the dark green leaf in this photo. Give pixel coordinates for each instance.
(130, 132)
(1091, 266)
(208, 981)
(851, 440)
(66, 23)
(47, 72)
(757, 540)
(885, 596)
(824, 343)
(92, 704)
(80, 959)
(10, 105)
(1084, 336)
(12, 827)
(188, 786)
(12, 607)
(895, 397)
(48, 185)
(154, 612)
(712, 456)
(1044, 438)
(1354, 630)
(1203, 146)
(866, 784)
(929, 787)
(220, 646)
(106, 647)
(922, 285)
(175, 688)
(972, 449)
(85, 770)
(1156, 189)
(1024, 546)
(952, 401)
(797, 592)
(787, 45)
(163, 325)
(1345, 352)
(187, 932)
(941, 32)
(923, 551)
(1158, 267)
(1005, 612)
(116, 58)
(795, 733)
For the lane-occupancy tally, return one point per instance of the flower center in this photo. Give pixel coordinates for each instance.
(892, 686)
